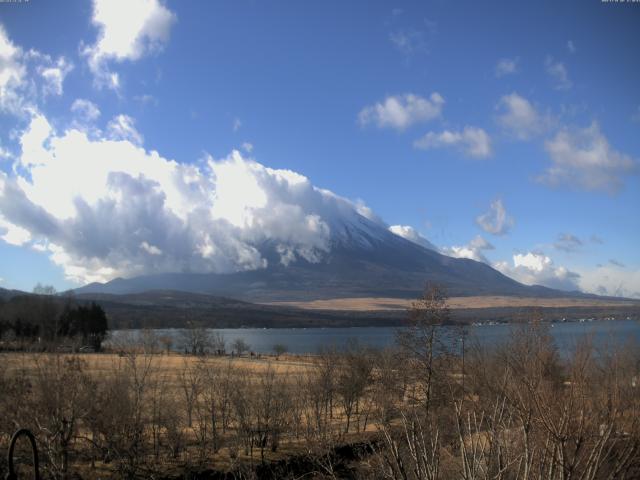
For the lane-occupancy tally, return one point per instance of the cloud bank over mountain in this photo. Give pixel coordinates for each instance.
(102, 206)
(409, 233)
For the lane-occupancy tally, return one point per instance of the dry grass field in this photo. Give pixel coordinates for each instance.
(275, 409)
(165, 365)
(381, 303)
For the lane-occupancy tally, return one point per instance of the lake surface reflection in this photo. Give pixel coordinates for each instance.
(604, 333)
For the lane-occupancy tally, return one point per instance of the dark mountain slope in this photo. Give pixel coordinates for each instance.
(365, 259)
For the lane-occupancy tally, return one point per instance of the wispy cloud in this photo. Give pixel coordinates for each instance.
(583, 158)
(86, 110)
(122, 127)
(496, 221)
(409, 41)
(471, 141)
(520, 118)
(507, 66)
(558, 73)
(611, 279)
(146, 99)
(53, 72)
(567, 243)
(5, 154)
(28, 77)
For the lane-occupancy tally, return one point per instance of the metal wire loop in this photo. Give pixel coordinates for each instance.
(36, 469)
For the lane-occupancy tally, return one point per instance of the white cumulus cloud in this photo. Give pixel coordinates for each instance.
(127, 31)
(402, 111)
(535, 268)
(409, 233)
(471, 141)
(473, 250)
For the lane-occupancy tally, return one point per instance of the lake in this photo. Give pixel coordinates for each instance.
(309, 340)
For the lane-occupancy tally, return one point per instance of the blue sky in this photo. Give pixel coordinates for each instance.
(507, 132)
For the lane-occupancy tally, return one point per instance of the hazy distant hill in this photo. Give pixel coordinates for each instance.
(6, 295)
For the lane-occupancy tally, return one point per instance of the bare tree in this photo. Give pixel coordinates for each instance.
(60, 402)
(218, 343)
(412, 447)
(240, 346)
(270, 409)
(354, 376)
(420, 340)
(41, 289)
(190, 381)
(279, 349)
(196, 340)
(149, 341)
(120, 414)
(167, 342)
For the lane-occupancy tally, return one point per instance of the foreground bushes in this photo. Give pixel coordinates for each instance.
(521, 412)
(516, 411)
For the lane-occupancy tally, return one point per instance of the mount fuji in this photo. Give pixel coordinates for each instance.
(364, 259)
